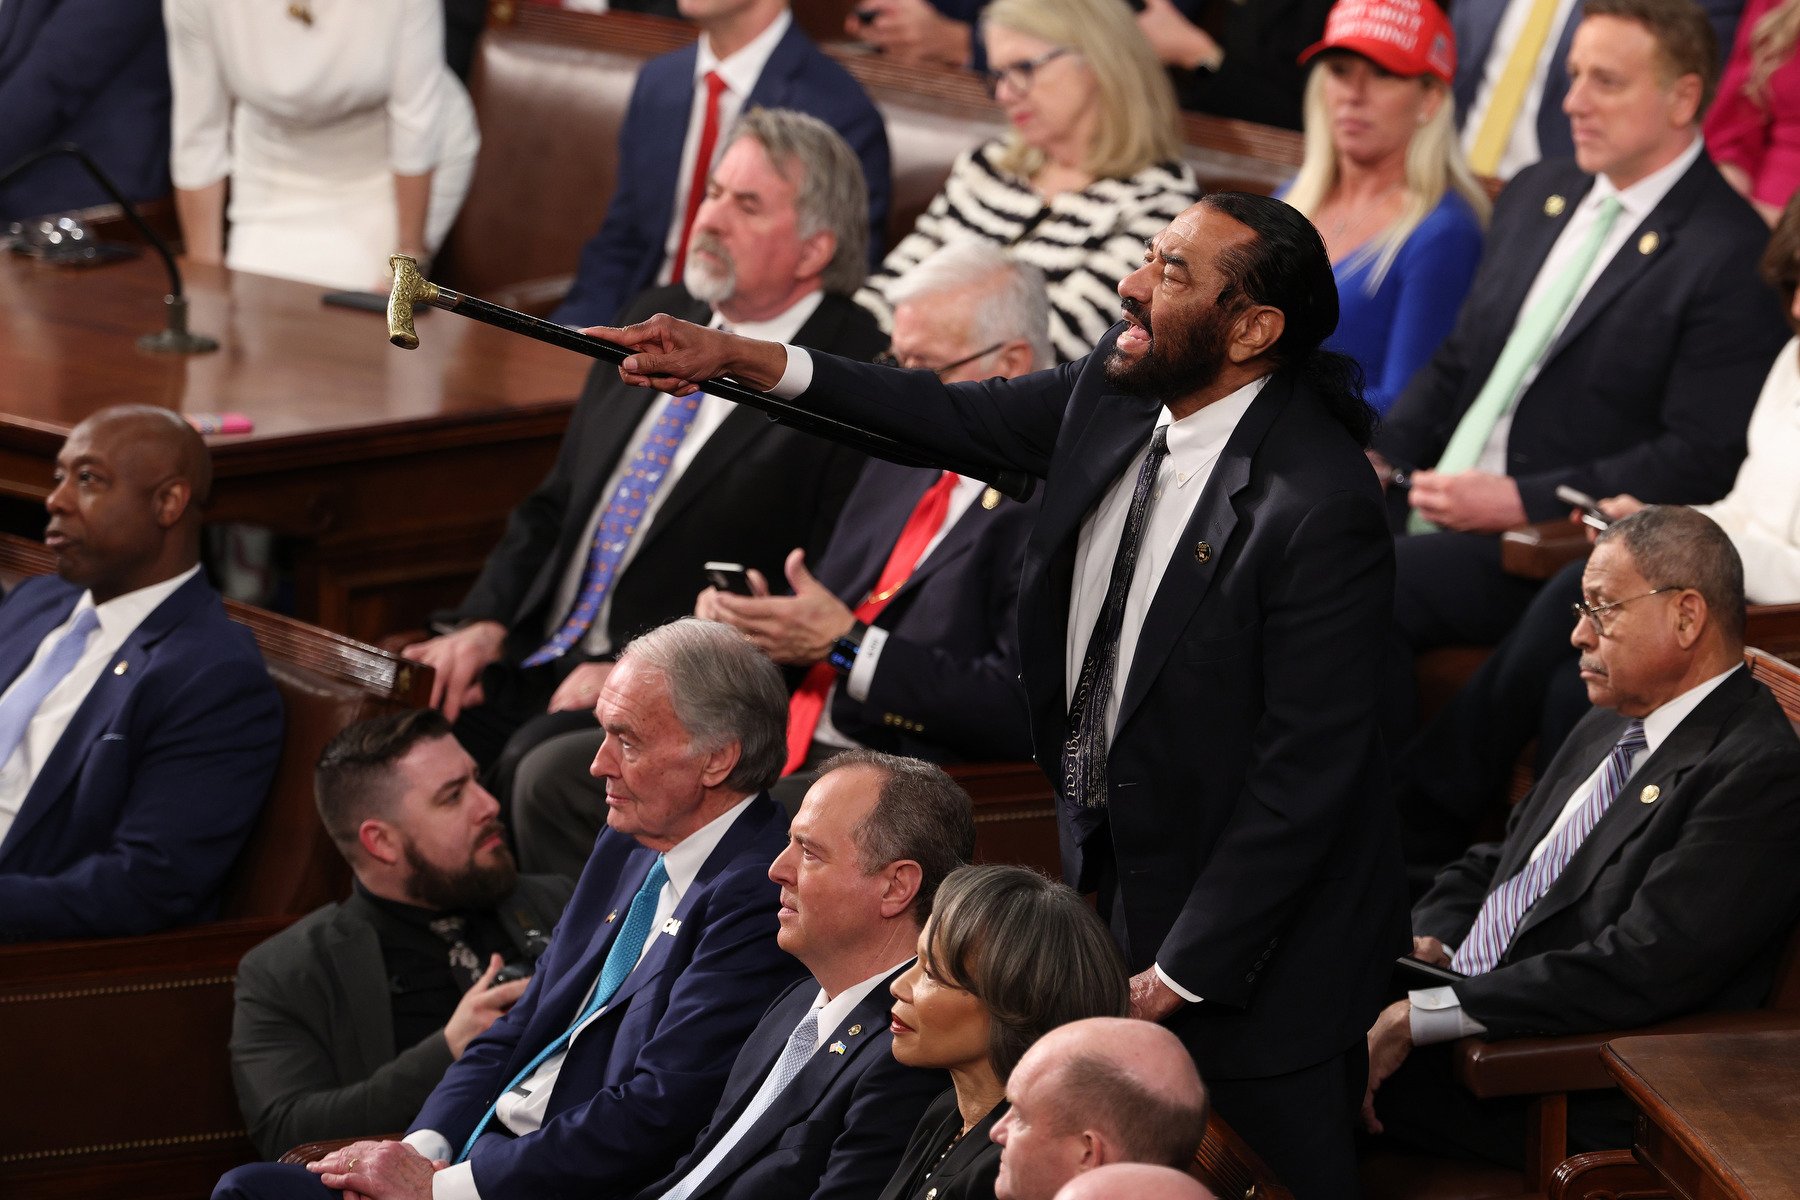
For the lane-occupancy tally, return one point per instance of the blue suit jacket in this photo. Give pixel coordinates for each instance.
(141, 809)
(92, 72)
(1474, 22)
(948, 684)
(837, 1130)
(622, 259)
(638, 1083)
(1648, 387)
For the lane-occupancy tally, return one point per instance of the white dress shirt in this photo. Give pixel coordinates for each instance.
(1636, 203)
(711, 415)
(740, 71)
(118, 619)
(1761, 513)
(1522, 146)
(830, 1015)
(1437, 1014)
(523, 1108)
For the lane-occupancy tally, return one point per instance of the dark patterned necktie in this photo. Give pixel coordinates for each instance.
(464, 962)
(1084, 750)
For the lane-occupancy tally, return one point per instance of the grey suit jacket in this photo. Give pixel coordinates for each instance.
(312, 1033)
(1680, 900)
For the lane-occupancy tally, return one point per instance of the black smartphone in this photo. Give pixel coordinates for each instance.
(1418, 973)
(729, 577)
(1590, 510)
(512, 971)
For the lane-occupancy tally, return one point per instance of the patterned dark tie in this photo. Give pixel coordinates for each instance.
(464, 962)
(1084, 750)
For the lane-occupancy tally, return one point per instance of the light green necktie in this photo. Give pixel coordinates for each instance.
(1530, 338)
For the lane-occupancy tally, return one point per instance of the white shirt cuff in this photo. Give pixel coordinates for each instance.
(797, 377)
(455, 1183)
(431, 1144)
(1438, 1016)
(862, 674)
(1176, 987)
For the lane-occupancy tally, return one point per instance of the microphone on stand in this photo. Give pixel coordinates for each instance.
(175, 338)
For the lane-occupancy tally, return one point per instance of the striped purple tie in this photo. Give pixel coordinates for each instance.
(1507, 904)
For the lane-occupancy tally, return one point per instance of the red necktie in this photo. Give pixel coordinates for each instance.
(808, 704)
(703, 154)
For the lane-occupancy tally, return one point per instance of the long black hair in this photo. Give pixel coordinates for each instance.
(1286, 267)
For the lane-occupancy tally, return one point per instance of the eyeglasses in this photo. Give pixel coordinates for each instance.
(887, 358)
(1592, 612)
(1019, 75)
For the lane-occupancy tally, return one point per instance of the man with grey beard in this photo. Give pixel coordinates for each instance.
(346, 1020)
(646, 489)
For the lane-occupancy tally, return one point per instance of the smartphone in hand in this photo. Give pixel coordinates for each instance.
(729, 577)
(1590, 509)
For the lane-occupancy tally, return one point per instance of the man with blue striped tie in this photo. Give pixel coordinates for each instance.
(1649, 874)
(601, 1076)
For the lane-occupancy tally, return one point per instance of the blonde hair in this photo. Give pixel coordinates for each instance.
(1771, 45)
(1434, 165)
(1139, 125)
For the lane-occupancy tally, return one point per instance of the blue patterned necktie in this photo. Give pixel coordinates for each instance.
(1084, 750)
(1507, 904)
(648, 468)
(27, 695)
(620, 958)
(799, 1050)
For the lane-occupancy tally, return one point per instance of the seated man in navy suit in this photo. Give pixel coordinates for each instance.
(750, 55)
(1649, 874)
(927, 662)
(139, 728)
(600, 1077)
(817, 1105)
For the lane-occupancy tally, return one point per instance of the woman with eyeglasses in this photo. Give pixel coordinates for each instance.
(1089, 171)
(1457, 769)
(1385, 182)
(1007, 956)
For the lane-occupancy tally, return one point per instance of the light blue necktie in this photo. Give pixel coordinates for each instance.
(799, 1049)
(620, 958)
(27, 695)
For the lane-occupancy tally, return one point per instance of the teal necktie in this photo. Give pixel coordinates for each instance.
(1523, 350)
(620, 958)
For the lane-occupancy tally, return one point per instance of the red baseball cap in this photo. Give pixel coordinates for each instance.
(1406, 37)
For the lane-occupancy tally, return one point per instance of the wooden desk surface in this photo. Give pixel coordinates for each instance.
(1721, 1112)
(393, 470)
(319, 382)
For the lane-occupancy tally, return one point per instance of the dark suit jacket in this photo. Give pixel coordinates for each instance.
(623, 258)
(144, 804)
(1475, 22)
(1648, 388)
(92, 72)
(968, 1172)
(838, 1129)
(1257, 856)
(947, 686)
(312, 1032)
(637, 1085)
(1673, 906)
(754, 492)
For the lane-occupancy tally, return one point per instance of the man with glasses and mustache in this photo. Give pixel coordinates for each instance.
(645, 491)
(1204, 592)
(346, 1020)
(1649, 874)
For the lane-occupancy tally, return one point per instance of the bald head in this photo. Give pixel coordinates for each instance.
(1134, 1181)
(125, 511)
(1093, 1092)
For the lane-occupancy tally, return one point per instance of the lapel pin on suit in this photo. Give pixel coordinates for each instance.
(837, 1048)
(122, 667)
(1202, 552)
(854, 1030)
(1648, 243)
(1649, 795)
(990, 499)
(1554, 205)
(612, 916)
(671, 927)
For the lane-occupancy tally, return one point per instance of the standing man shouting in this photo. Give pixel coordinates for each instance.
(1206, 586)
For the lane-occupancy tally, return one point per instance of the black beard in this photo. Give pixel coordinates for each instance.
(1179, 361)
(471, 889)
